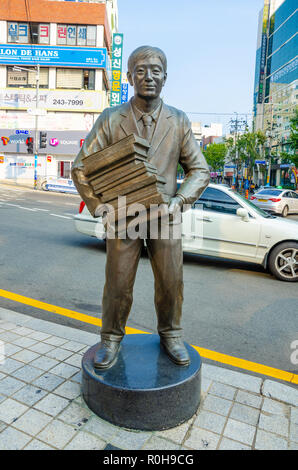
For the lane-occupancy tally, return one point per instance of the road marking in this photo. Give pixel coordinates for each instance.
(70, 204)
(62, 216)
(39, 209)
(207, 353)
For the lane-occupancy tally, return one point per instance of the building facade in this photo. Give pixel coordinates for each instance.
(55, 79)
(276, 75)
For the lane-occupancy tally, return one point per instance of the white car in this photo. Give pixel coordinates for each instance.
(224, 224)
(279, 201)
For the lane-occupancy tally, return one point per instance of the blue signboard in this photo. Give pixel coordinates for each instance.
(53, 56)
(124, 92)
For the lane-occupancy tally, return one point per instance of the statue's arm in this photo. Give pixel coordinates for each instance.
(97, 139)
(195, 167)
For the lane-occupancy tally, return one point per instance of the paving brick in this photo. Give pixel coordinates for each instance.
(74, 360)
(32, 422)
(238, 431)
(157, 443)
(233, 378)
(275, 407)
(267, 441)
(294, 415)
(7, 325)
(176, 434)
(68, 389)
(294, 432)
(275, 424)
(205, 384)
(57, 434)
(59, 354)
(25, 356)
(65, 370)
(23, 331)
(228, 444)
(52, 404)
(248, 399)
(222, 390)
(85, 441)
(218, 405)
(35, 444)
(129, 439)
(201, 439)
(27, 373)
(10, 349)
(30, 395)
(39, 336)
(11, 410)
(101, 428)
(75, 414)
(9, 336)
(10, 385)
(280, 392)
(210, 421)
(24, 342)
(244, 413)
(10, 365)
(2, 425)
(77, 377)
(55, 341)
(74, 346)
(48, 381)
(293, 445)
(44, 363)
(41, 348)
(12, 439)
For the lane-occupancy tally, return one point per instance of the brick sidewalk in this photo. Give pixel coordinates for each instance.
(41, 405)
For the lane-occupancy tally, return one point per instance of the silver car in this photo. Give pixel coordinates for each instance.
(279, 201)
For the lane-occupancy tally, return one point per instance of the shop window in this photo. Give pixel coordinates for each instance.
(64, 169)
(76, 35)
(25, 33)
(27, 79)
(75, 79)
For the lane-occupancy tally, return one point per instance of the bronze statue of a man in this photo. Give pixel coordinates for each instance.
(169, 133)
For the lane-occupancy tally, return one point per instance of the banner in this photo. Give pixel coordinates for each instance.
(117, 49)
(92, 57)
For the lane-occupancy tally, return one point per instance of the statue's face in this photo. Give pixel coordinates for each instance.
(147, 77)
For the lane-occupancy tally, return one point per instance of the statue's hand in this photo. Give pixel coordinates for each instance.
(175, 206)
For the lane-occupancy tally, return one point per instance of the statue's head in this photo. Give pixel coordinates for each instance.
(147, 71)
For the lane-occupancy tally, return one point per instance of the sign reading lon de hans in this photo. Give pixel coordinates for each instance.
(57, 55)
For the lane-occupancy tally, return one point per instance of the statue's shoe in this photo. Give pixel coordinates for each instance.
(106, 354)
(176, 350)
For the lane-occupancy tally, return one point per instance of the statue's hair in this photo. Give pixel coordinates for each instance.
(145, 52)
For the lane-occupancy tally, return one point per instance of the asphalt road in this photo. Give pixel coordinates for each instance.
(229, 307)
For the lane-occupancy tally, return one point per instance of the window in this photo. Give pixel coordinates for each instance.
(64, 169)
(27, 79)
(23, 33)
(294, 195)
(75, 79)
(218, 201)
(76, 35)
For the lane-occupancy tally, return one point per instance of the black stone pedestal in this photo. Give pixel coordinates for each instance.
(144, 390)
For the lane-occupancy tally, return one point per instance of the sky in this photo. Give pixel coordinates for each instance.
(210, 47)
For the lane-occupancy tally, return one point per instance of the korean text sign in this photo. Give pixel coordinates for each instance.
(117, 50)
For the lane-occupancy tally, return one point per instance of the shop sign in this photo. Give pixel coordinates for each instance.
(117, 48)
(1, 159)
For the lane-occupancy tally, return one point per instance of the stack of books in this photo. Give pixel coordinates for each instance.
(122, 169)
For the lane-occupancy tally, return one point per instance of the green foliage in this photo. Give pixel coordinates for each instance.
(294, 132)
(215, 155)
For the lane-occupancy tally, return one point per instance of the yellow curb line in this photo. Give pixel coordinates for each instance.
(206, 353)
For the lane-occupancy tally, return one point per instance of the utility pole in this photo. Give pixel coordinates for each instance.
(237, 125)
(36, 127)
(270, 147)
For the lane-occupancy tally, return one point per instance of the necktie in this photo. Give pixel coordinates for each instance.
(147, 131)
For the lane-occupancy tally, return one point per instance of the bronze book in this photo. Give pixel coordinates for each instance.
(131, 144)
(153, 190)
(120, 177)
(132, 186)
(130, 162)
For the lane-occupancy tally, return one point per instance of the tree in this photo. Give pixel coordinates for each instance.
(294, 132)
(215, 155)
(250, 146)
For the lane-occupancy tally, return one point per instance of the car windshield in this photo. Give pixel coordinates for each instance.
(269, 192)
(254, 207)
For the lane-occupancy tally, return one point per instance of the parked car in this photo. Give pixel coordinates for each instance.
(279, 201)
(223, 224)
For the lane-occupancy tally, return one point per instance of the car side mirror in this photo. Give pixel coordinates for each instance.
(241, 212)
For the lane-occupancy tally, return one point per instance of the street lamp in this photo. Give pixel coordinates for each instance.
(16, 68)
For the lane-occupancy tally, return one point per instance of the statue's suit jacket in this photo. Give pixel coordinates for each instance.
(172, 142)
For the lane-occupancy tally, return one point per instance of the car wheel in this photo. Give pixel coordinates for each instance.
(285, 211)
(44, 186)
(283, 261)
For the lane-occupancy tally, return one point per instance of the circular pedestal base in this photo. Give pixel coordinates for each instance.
(144, 390)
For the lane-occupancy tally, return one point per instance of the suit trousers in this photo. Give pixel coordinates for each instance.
(166, 258)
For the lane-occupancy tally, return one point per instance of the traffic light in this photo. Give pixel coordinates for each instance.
(42, 140)
(29, 143)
